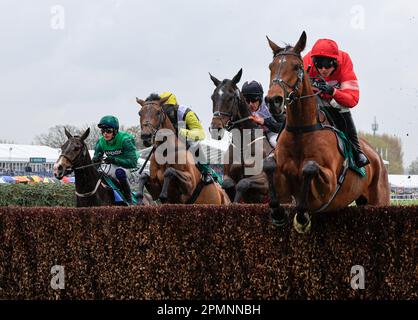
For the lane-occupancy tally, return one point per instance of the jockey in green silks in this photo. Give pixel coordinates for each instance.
(120, 151)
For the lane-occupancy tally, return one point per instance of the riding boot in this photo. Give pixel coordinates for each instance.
(359, 157)
(126, 190)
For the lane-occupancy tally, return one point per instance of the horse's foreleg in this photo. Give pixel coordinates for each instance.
(229, 186)
(143, 179)
(152, 185)
(168, 175)
(277, 212)
(184, 179)
(302, 220)
(255, 183)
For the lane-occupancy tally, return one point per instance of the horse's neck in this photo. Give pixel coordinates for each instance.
(244, 112)
(303, 112)
(86, 178)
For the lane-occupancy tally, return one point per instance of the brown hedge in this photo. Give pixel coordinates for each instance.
(205, 252)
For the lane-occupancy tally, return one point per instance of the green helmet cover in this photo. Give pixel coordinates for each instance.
(109, 121)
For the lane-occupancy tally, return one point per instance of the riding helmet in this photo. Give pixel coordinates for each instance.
(109, 121)
(171, 100)
(252, 88)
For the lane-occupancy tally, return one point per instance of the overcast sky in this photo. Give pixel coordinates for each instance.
(72, 61)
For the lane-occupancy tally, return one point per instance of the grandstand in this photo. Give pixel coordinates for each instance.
(16, 159)
(403, 187)
(21, 159)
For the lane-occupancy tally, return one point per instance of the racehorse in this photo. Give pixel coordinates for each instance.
(308, 164)
(231, 111)
(90, 189)
(178, 180)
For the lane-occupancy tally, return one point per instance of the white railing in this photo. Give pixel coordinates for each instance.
(404, 196)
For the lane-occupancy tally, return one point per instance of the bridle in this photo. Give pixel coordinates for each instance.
(70, 169)
(73, 161)
(148, 123)
(231, 123)
(292, 95)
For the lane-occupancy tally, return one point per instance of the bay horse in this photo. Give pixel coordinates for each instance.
(178, 180)
(308, 163)
(90, 189)
(231, 111)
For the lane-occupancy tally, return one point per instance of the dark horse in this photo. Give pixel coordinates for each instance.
(90, 189)
(231, 111)
(308, 163)
(176, 178)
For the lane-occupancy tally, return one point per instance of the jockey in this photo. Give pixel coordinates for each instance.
(190, 129)
(334, 76)
(253, 94)
(120, 151)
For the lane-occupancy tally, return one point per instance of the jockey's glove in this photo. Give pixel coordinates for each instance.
(316, 82)
(257, 119)
(109, 160)
(326, 88)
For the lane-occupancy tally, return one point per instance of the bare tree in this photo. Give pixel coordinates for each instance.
(413, 167)
(56, 137)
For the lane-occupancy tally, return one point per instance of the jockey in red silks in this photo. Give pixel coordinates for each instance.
(332, 73)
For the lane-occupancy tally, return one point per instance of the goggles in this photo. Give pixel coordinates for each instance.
(252, 99)
(107, 130)
(324, 63)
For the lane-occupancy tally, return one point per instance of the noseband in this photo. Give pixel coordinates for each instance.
(292, 96)
(230, 123)
(74, 161)
(148, 123)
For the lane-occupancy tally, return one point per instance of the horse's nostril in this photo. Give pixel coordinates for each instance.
(278, 100)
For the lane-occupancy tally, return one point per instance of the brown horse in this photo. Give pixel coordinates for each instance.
(308, 163)
(177, 180)
(231, 111)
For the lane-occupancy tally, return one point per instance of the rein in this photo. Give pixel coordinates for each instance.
(72, 168)
(230, 123)
(91, 193)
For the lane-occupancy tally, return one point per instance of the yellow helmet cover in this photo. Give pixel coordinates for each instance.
(171, 100)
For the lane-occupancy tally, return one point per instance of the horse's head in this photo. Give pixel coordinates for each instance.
(286, 75)
(72, 153)
(225, 100)
(151, 117)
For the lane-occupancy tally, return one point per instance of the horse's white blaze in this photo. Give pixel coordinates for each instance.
(57, 164)
(220, 92)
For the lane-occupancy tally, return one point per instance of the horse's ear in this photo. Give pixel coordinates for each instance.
(85, 134)
(237, 77)
(140, 101)
(67, 133)
(300, 46)
(164, 100)
(273, 46)
(214, 80)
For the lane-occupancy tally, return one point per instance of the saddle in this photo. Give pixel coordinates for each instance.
(345, 146)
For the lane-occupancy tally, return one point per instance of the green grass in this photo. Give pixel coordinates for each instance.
(52, 195)
(37, 195)
(404, 202)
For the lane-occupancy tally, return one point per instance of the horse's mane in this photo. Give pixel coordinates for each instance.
(153, 97)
